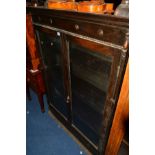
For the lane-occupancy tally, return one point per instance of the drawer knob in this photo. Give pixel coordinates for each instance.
(100, 32)
(42, 42)
(77, 27)
(51, 43)
(51, 21)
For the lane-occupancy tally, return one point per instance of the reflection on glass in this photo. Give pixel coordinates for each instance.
(90, 72)
(51, 51)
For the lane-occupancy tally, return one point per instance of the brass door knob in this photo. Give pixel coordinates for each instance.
(77, 27)
(100, 32)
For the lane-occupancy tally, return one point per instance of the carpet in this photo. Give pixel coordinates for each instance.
(44, 136)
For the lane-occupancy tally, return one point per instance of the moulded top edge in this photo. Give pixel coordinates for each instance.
(79, 15)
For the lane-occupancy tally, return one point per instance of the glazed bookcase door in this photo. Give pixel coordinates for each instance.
(52, 60)
(92, 73)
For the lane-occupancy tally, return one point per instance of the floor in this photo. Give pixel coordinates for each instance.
(44, 136)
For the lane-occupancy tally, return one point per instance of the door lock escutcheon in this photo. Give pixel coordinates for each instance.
(68, 99)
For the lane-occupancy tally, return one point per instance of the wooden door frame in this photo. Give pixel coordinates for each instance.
(121, 116)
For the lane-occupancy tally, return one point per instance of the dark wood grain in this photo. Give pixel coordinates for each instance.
(31, 44)
(93, 50)
(110, 33)
(96, 18)
(121, 117)
(35, 82)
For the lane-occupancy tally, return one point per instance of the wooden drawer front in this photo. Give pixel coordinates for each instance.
(101, 32)
(104, 33)
(41, 19)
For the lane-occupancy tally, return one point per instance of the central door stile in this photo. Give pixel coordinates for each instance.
(66, 73)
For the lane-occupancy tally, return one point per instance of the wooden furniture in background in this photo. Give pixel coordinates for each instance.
(35, 81)
(120, 119)
(31, 44)
(34, 78)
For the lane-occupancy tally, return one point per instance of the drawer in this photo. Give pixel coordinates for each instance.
(41, 19)
(101, 32)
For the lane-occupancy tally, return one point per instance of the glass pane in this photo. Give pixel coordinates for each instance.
(51, 52)
(90, 72)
